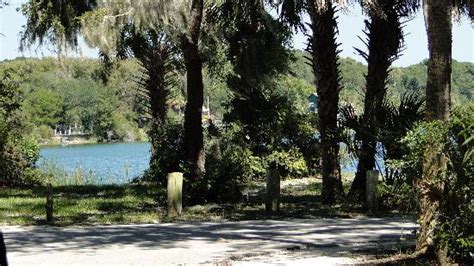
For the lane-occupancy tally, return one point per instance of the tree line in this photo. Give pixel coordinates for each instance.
(76, 95)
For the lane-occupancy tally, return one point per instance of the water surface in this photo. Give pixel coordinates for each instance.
(115, 163)
(106, 163)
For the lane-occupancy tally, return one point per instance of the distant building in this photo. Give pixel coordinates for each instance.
(313, 103)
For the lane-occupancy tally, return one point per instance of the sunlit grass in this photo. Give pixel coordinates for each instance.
(145, 203)
(83, 205)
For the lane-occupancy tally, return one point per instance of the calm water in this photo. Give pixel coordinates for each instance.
(116, 162)
(109, 163)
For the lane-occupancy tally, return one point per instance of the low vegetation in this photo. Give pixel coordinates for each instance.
(145, 203)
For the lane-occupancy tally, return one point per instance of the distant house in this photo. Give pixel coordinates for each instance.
(313, 103)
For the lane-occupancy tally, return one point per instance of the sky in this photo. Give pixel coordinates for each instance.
(350, 26)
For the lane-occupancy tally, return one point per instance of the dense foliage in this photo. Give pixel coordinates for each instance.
(54, 95)
(18, 151)
(454, 231)
(58, 97)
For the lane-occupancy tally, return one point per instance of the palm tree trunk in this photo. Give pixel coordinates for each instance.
(384, 35)
(193, 132)
(155, 61)
(324, 52)
(438, 90)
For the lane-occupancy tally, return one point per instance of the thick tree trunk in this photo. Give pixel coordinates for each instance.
(193, 132)
(324, 52)
(438, 90)
(438, 87)
(384, 35)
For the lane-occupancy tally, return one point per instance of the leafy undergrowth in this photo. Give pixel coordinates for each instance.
(145, 203)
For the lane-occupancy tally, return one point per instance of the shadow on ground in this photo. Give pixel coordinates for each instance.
(321, 235)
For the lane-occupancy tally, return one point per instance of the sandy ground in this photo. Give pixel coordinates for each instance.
(265, 242)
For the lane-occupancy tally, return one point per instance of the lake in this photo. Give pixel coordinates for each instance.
(113, 163)
(108, 163)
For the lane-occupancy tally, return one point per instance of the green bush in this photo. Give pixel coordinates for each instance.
(124, 129)
(167, 152)
(400, 196)
(43, 132)
(18, 151)
(455, 229)
(289, 163)
(230, 164)
(17, 161)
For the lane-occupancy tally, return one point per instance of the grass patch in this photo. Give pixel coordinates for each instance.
(110, 204)
(146, 203)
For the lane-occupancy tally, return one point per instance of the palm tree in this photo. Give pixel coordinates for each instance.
(182, 24)
(323, 48)
(384, 42)
(157, 57)
(438, 23)
(438, 100)
(324, 54)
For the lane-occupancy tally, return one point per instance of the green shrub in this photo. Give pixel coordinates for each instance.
(18, 151)
(167, 152)
(124, 129)
(17, 160)
(455, 229)
(399, 196)
(43, 132)
(230, 164)
(289, 163)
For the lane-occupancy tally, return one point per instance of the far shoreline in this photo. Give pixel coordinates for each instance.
(57, 142)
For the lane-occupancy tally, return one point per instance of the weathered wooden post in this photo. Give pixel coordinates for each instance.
(49, 204)
(371, 190)
(272, 201)
(175, 194)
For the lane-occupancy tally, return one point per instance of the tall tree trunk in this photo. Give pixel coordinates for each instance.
(193, 132)
(324, 52)
(384, 34)
(438, 90)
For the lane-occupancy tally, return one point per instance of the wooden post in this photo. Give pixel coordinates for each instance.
(272, 201)
(49, 204)
(371, 189)
(175, 194)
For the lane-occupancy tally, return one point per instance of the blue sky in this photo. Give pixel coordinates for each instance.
(350, 26)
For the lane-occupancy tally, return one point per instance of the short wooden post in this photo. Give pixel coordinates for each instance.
(272, 202)
(371, 189)
(175, 194)
(49, 204)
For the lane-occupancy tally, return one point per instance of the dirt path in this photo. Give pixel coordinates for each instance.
(321, 241)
